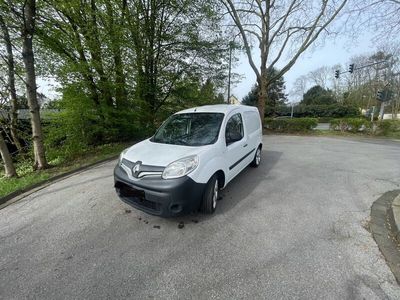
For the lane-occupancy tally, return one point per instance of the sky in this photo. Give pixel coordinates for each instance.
(338, 51)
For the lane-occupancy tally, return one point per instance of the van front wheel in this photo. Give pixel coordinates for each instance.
(257, 158)
(210, 196)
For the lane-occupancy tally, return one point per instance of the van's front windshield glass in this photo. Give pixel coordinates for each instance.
(190, 129)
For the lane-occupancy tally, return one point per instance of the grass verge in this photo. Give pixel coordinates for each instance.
(28, 177)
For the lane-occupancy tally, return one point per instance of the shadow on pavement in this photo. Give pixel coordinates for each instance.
(238, 189)
(247, 181)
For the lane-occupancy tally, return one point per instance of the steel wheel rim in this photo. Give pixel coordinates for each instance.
(258, 156)
(215, 194)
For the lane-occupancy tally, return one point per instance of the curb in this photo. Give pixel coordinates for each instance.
(384, 230)
(395, 211)
(22, 193)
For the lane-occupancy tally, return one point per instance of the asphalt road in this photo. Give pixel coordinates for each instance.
(293, 228)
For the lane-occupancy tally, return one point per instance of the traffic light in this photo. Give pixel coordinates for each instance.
(351, 68)
(380, 96)
(337, 74)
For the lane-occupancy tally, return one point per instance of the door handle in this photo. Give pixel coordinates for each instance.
(245, 145)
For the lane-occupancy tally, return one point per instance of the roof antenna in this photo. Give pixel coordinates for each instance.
(195, 109)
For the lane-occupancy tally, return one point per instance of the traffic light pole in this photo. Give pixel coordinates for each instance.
(373, 113)
(380, 95)
(352, 68)
(369, 65)
(382, 110)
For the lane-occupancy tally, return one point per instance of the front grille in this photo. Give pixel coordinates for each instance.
(143, 171)
(148, 204)
(136, 197)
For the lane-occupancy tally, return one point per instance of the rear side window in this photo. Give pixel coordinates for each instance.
(234, 129)
(252, 120)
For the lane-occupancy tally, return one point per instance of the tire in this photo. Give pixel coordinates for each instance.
(257, 158)
(210, 196)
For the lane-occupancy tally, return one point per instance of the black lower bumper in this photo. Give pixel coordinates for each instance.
(157, 196)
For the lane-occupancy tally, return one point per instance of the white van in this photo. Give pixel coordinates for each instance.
(195, 153)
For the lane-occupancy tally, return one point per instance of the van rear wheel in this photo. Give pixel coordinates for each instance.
(210, 196)
(257, 158)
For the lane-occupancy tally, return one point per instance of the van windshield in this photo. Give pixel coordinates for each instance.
(190, 129)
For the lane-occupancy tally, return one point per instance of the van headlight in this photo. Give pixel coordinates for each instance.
(121, 156)
(181, 167)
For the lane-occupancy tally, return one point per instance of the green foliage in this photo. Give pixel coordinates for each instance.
(189, 93)
(317, 95)
(352, 125)
(276, 94)
(291, 125)
(325, 119)
(388, 127)
(125, 67)
(28, 177)
(81, 124)
(9, 185)
(316, 111)
(355, 125)
(134, 53)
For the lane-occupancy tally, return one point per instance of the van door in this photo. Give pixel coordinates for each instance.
(252, 126)
(236, 146)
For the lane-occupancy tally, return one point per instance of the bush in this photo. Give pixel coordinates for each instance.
(351, 125)
(315, 111)
(291, 125)
(81, 125)
(325, 119)
(386, 127)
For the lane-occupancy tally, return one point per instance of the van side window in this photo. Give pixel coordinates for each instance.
(252, 120)
(234, 129)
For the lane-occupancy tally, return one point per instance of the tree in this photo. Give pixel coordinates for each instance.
(22, 16)
(4, 151)
(381, 16)
(208, 94)
(299, 87)
(275, 91)
(5, 155)
(321, 76)
(162, 43)
(28, 31)
(191, 93)
(360, 88)
(288, 28)
(11, 82)
(317, 95)
(167, 51)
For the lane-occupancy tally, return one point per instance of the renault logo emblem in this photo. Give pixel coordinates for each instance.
(136, 169)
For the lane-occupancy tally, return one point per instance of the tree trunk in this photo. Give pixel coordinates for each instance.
(5, 155)
(94, 45)
(29, 62)
(11, 84)
(262, 96)
(121, 95)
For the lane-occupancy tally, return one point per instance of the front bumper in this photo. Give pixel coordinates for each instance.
(157, 196)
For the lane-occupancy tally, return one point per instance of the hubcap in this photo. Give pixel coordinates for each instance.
(215, 194)
(258, 156)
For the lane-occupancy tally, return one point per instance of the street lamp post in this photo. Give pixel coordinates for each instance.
(291, 113)
(230, 71)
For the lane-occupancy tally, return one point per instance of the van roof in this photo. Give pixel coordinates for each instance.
(218, 108)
